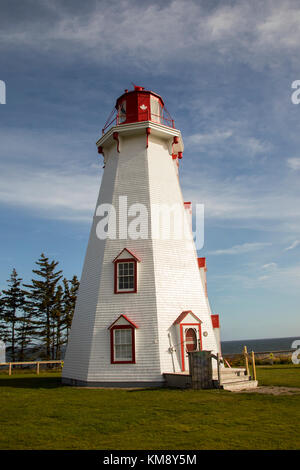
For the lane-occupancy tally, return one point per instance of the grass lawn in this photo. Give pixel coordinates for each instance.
(39, 413)
(281, 375)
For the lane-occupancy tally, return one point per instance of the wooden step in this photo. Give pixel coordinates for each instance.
(235, 378)
(239, 385)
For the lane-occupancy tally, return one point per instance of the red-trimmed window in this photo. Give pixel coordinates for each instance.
(125, 276)
(122, 340)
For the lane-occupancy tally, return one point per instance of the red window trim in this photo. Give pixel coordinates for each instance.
(126, 318)
(112, 354)
(127, 260)
(128, 251)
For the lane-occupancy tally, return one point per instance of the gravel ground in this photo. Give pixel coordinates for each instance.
(272, 390)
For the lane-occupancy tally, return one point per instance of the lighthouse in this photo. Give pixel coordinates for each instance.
(142, 304)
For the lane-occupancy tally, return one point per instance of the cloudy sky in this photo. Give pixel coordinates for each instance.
(225, 71)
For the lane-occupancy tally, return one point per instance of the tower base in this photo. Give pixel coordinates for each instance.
(83, 383)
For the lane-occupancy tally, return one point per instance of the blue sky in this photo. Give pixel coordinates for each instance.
(225, 71)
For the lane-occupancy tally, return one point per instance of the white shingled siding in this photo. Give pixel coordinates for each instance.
(77, 359)
(178, 283)
(131, 179)
(215, 330)
(168, 276)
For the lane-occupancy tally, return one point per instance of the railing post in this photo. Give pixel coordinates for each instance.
(37, 368)
(219, 372)
(246, 359)
(253, 365)
(9, 369)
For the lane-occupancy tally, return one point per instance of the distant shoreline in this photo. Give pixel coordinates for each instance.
(259, 345)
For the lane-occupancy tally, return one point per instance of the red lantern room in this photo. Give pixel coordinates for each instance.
(139, 105)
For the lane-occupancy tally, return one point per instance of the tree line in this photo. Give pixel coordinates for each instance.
(35, 318)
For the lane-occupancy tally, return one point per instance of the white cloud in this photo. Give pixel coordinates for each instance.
(293, 163)
(283, 279)
(159, 33)
(236, 138)
(255, 146)
(293, 245)
(252, 199)
(58, 194)
(269, 266)
(208, 139)
(240, 249)
(263, 278)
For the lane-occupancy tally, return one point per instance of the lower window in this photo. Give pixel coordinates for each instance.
(122, 345)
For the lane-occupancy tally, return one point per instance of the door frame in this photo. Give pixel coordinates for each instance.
(184, 355)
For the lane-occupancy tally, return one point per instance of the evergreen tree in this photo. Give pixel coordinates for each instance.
(13, 302)
(3, 324)
(41, 299)
(57, 317)
(69, 301)
(24, 333)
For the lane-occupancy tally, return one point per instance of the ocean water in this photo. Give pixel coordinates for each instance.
(258, 345)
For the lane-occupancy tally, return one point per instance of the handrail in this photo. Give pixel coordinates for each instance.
(146, 116)
(10, 364)
(252, 358)
(219, 360)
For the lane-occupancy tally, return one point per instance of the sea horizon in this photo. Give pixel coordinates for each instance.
(258, 345)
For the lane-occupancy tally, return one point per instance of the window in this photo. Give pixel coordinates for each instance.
(126, 275)
(191, 339)
(156, 109)
(122, 341)
(125, 272)
(123, 344)
(122, 112)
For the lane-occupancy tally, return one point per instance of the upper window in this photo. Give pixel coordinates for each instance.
(156, 109)
(126, 275)
(125, 272)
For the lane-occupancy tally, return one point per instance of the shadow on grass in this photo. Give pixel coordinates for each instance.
(279, 367)
(31, 382)
(149, 389)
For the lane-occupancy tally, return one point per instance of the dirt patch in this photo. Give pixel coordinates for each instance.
(273, 390)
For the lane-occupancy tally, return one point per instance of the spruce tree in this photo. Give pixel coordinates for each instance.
(13, 302)
(24, 334)
(3, 323)
(69, 301)
(57, 317)
(41, 301)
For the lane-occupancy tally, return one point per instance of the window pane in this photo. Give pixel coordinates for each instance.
(126, 276)
(123, 344)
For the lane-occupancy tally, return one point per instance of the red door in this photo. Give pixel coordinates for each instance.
(190, 339)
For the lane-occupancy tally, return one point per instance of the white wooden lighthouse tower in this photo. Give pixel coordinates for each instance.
(142, 301)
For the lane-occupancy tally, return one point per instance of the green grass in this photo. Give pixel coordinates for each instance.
(39, 413)
(281, 375)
